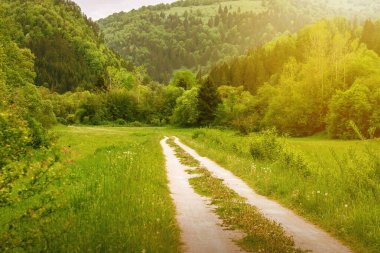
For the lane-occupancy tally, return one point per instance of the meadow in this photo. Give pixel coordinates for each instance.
(335, 184)
(112, 192)
(113, 197)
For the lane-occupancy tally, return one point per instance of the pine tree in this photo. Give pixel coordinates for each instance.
(208, 102)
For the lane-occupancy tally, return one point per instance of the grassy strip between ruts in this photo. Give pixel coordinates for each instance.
(183, 156)
(261, 234)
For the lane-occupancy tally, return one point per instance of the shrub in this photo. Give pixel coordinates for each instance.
(120, 122)
(266, 146)
(70, 119)
(86, 120)
(62, 121)
(121, 104)
(136, 124)
(156, 121)
(246, 124)
(198, 133)
(353, 111)
(38, 134)
(289, 159)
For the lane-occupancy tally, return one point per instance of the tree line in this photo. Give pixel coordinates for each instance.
(325, 77)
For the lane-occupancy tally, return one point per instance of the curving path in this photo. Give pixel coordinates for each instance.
(306, 235)
(201, 228)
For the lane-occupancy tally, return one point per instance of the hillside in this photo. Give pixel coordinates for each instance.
(196, 34)
(69, 49)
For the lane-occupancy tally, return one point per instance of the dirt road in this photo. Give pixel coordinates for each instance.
(306, 235)
(201, 228)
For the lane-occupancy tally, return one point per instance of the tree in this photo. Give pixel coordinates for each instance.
(184, 79)
(186, 112)
(208, 102)
(171, 94)
(348, 110)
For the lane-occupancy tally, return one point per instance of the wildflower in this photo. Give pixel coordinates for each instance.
(345, 205)
(326, 194)
(318, 192)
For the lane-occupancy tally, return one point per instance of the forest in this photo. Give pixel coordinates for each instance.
(271, 68)
(197, 34)
(301, 83)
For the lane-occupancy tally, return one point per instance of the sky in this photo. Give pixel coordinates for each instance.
(97, 9)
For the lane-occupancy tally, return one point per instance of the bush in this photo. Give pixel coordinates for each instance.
(156, 122)
(266, 146)
(350, 113)
(70, 119)
(38, 134)
(14, 138)
(121, 104)
(292, 160)
(62, 121)
(246, 124)
(86, 120)
(120, 122)
(136, 124)
(198, 133)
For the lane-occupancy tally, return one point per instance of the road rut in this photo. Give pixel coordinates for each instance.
(202, 230)
(306, 235)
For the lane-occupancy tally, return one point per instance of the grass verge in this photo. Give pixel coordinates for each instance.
(113, 198)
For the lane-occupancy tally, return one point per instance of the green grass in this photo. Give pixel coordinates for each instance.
(112, 194)
(113, 198)
(184, 157)
(336, 184)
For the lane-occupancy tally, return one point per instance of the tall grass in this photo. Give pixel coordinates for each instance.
(114, 198)
(336, 184)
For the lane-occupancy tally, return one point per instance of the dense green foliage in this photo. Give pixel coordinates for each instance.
(320, 78)
(165, 41)
(24, 117)
(196, 34)
(56, 68)
(68, 48)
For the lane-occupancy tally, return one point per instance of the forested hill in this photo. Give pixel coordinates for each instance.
(68, 47)
(198, 33)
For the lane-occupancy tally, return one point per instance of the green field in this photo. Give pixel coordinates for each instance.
(113, 198)
(113, 195)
